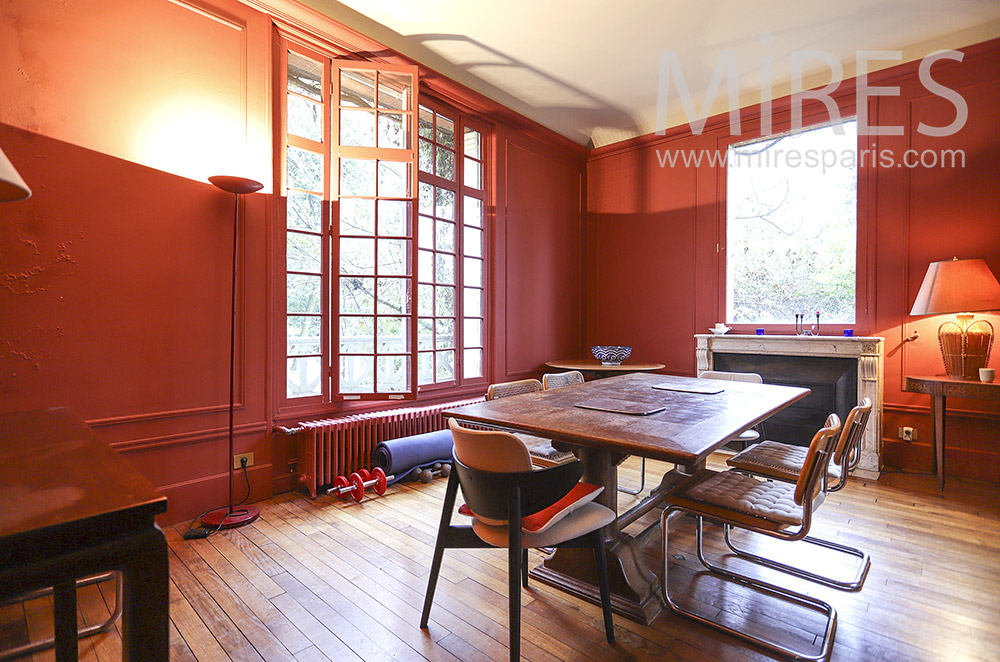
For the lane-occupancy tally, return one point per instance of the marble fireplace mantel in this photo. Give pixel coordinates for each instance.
(868, 351)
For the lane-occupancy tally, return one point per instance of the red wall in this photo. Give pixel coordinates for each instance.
(653, 275)
(115, 297)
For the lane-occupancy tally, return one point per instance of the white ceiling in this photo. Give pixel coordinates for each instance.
(590, 69)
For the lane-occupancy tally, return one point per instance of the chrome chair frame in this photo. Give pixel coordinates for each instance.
(847, 448)
(82, 633)
(809, 487)
(792, 596)
(642, 479)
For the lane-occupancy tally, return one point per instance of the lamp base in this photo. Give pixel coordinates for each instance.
(224, 518)
(965, 345)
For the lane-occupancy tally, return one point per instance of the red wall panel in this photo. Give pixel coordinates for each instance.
(542, 260)
(918, 215)
(641, 247)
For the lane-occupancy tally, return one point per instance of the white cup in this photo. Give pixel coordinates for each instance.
(720, 326)
(987, 375)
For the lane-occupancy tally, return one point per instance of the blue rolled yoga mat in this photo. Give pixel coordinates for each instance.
(399, 456)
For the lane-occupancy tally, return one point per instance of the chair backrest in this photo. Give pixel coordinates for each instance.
(507, 389)
(489, 450)
(849, 443)
(491, 466)
(810, 478)
(560, 379)
(750, 377)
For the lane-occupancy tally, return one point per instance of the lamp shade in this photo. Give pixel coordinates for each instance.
(957, 286)
(237, 185)
(12, 187)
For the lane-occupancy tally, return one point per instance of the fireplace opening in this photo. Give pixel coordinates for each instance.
(833, 381)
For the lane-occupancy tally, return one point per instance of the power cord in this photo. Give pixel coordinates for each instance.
(194, 532)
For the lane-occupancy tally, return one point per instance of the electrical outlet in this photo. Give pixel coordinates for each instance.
(240, 456)
(906, 433)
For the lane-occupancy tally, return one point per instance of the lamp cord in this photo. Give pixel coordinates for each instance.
(246, 477)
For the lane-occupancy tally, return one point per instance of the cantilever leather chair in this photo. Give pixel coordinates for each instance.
(516, 507)
(774, 459)
(777, 509)
(779, 461)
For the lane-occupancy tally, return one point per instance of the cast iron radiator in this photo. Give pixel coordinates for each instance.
(334, 447)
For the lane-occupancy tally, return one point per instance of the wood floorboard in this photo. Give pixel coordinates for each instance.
(331, 580)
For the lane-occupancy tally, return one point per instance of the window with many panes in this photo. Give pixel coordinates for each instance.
(383, 293)
(450, 268)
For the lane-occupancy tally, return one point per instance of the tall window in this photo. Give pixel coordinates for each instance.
(450, 259)
(350, 175)
(791, 227)
(375, 232)
(384, 278)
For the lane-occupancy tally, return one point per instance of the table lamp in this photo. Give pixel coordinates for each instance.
(962, 287)
(12, 187)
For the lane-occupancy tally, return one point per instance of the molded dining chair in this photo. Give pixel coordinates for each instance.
(542, 452)
(780, 510)
(784, 462)
(516, 507)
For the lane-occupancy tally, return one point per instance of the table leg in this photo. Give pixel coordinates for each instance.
(937, 420)
(634, 588)
(145, 622)
(64, 608)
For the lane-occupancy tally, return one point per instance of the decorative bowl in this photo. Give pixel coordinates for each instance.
(611, 354)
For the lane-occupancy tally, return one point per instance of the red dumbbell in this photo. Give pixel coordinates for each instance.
(359, 481)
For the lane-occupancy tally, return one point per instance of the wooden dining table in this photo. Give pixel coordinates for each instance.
(694, 418)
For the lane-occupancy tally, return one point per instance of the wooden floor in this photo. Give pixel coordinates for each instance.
(342, 581)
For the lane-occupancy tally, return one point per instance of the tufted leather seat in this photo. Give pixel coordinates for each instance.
(739, 492)
(777, 460)
(779, 510)
(784, 462)
(780, 461)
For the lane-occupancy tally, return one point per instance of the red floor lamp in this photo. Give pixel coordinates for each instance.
(229, 516)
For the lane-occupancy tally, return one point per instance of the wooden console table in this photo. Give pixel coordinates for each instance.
(70, 507)
(939, 388)
(595, 369)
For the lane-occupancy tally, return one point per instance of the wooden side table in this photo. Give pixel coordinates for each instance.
(595, 369)
(72, 507)
(939, 388)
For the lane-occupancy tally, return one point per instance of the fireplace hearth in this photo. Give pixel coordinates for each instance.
(839, 371)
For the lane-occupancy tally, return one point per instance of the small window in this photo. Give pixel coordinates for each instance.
(792, 227)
